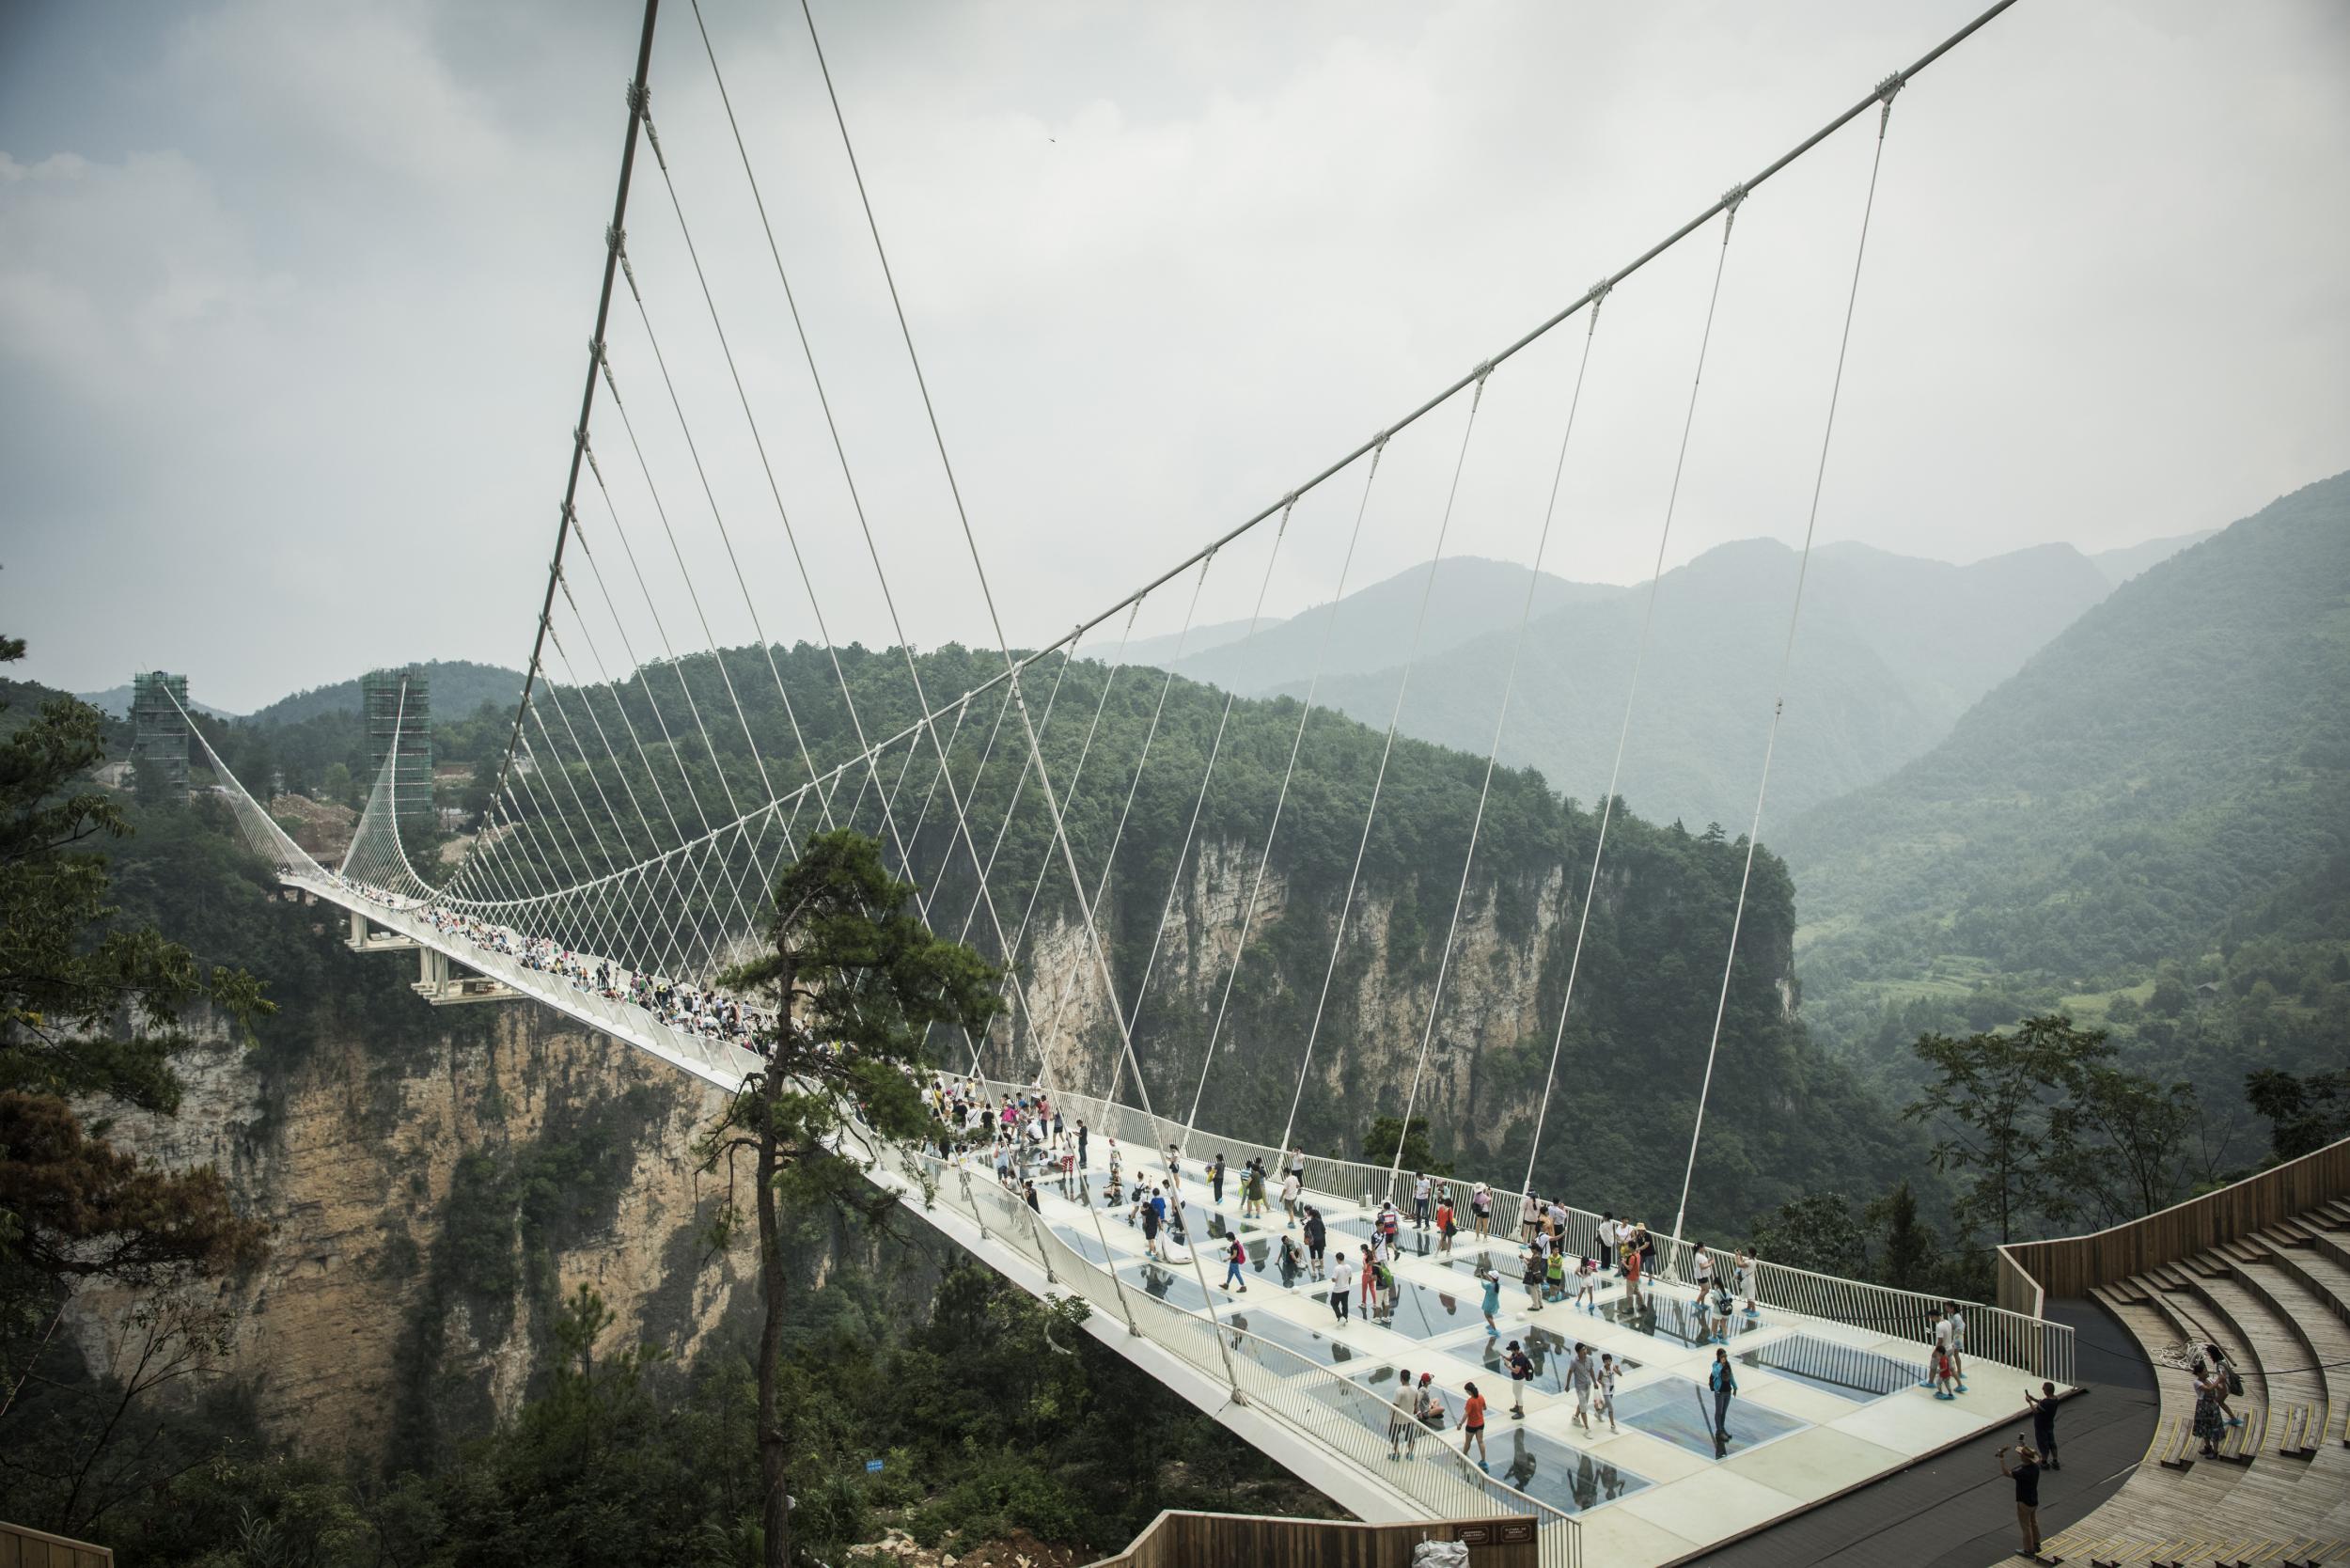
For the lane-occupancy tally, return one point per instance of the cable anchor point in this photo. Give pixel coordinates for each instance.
(1885, 91)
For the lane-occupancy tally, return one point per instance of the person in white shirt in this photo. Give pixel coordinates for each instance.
(1420, 1189)
(1957, 1322)
(1937, 1340)
(1292, 1189)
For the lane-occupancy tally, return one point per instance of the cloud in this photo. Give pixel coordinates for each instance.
(292, 333)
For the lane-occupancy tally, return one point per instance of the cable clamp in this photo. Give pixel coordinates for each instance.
(1483, 369)
(1732, 197)
(1379, 442)
(639, 99)
(616, 239)
(1886, 89)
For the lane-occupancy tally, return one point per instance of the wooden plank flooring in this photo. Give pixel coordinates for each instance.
(2278, 1304)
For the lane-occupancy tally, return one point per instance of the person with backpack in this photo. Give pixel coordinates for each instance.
(1383, 1274)
(1215, 1180)
(1521, 1372)
(1317, 1236)
(1555, 1278)
(1444, 1223)
(1482, 1210)
(1234, 1256)
(1146, 1206)
(1724, 1383)
(1532, 1279)
(1722, 1305)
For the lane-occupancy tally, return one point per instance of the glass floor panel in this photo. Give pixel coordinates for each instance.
(1554, 1472)
(1550, 1353)
(1682, 1413)
(1322, 1348)
(1858, 1375)
(1174, 1284)
(1423, 1311)
(1084, 1240)
(1669, 1316)
(1542, 1467)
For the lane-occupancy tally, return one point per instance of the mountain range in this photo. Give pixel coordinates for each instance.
(1890, 652)
(2159, 773)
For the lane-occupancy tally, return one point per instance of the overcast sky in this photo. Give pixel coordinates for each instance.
(294, 298)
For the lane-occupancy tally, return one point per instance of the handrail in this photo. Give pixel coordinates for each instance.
(2000, 1333)
(1271, 1380)
(2075, 1265)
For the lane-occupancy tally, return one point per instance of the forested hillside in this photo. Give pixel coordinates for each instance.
(1645, 1001)
(2161, 793)
(458, 687)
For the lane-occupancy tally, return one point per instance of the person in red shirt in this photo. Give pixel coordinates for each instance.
(1473, 1426)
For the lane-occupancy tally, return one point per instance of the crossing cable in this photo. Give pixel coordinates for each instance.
(1731, 202)
(1887, 89)
(677, 667)
(791, 533)
(1045, 867)
(644, 110)
(1207, 778)
(588, 394)
(855, 497)
(625, 925)
(1003, 829)
(1673, 238)
(620, 704)
(1133, 785)
(1035, 753)
(1386, 749)
(599, 934)
(1289, 771)
(1492, 752)
(652, 838)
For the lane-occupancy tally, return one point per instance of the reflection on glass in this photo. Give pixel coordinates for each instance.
(1858, 1375)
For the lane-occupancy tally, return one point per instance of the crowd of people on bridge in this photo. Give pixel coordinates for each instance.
(690, 1010)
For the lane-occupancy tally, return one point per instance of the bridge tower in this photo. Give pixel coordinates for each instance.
(399, 708)
(159, 726)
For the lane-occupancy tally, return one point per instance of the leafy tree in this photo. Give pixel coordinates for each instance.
(92, 1009)
(2304, 1114)
(1379, 1145)
(854, 982)
(2124, 1138)
(1910, 1252)
(1994, 1101)
(1818, 1232)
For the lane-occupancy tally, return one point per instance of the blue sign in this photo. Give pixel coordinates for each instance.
(873, 1466)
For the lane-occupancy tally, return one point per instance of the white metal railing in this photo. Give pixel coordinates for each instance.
(2035, 1344)
(1333, 1413)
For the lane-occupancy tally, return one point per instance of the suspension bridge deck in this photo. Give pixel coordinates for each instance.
(1828, 1399)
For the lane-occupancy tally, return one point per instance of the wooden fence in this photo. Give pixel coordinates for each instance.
(21, 1547)
(1175, 1539)
(2074, 1265)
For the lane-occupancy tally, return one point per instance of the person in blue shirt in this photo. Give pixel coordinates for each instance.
(1724, 1383)
(1492, 1302)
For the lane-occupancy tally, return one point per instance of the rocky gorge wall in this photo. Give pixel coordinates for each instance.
(435, 1182)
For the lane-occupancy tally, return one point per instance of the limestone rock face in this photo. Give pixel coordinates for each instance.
(430, 1204)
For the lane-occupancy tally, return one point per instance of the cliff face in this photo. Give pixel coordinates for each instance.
(435, 1184)
(1629, 1067)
